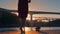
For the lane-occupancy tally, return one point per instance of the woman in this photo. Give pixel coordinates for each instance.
(23, 11)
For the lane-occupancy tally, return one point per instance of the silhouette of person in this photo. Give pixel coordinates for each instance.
(22, 11)
(38, 27)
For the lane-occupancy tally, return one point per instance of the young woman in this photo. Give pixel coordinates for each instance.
(23, 11)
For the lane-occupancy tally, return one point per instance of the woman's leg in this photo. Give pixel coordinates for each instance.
(22, 23)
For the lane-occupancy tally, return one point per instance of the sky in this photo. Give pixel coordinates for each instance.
(46, 5)
(35, 5)
(9, 4)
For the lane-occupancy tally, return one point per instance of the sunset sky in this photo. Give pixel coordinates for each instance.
(46, 5)
(35, 5)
